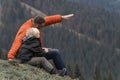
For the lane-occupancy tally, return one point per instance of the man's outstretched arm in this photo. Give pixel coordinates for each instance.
(56, 19)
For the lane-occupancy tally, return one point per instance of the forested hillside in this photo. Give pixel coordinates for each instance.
(95, 22)
(91, 49)
(112, 5)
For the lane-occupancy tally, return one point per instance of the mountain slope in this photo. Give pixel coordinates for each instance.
(112, 5)
(25, 72)
(100, 24)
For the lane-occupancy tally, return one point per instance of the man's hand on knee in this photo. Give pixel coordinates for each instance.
(46, 49)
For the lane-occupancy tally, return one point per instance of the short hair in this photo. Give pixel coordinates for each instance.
(33, 32)
(38, 20)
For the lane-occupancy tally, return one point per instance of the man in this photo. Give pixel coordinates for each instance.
(39, 23)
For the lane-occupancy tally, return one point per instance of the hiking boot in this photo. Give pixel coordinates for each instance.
(54, 71)
(62, 72)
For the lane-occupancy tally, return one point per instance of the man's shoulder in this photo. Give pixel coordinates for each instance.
(27, 24)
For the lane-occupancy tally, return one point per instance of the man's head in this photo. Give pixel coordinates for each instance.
(33, 32)
(38, 22)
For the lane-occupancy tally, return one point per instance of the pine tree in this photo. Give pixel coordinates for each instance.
(78, 73)
(0, 53)
(97, 75)
(110, 76)
(70, 72)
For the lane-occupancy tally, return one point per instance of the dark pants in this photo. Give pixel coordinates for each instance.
(55, 56)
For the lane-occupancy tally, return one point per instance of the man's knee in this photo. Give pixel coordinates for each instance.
(43, 59)
(56, 51)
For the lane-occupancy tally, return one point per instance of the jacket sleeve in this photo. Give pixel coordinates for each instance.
(16, 45)
(52, 19)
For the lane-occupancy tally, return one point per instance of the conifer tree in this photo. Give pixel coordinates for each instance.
(110, 76)
(0, 52)
(78, 72)
(70, 72)
(97, 75)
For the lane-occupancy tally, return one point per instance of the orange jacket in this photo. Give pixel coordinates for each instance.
(22, 31)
